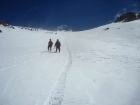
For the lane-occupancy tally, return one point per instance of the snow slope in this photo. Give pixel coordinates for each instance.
(100, 66)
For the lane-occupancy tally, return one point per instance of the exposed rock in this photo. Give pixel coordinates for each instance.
(3, 23)
(0, 31)
(138, 16)
(126, 17)
(106, 29)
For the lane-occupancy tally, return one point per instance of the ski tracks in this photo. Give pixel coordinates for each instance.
(57, 93)
(16, 74)
(36, 56)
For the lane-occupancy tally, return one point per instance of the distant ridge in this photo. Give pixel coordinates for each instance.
(127, 17)
(10, 26)
(28, 28)
(3, 23)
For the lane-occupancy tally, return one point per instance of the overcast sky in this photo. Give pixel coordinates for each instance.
(64, 14)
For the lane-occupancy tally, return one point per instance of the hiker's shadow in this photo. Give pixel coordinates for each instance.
(53, 52)
(47, 51)
(44, 51)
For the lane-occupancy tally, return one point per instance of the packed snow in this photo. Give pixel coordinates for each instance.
(100, 66)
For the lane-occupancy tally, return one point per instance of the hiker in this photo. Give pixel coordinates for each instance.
(57, 45)
(50, 43)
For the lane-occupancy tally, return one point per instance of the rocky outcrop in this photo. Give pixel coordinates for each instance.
(138, 16)
(126, 17)
(3, 23)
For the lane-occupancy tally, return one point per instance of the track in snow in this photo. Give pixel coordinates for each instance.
(57, 93)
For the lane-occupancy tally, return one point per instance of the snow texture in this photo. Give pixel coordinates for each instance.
(100, 66)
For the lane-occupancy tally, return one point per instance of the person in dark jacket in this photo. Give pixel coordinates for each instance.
(57, 45)
(50, 43)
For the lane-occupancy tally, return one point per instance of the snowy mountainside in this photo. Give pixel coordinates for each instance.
(100, 66)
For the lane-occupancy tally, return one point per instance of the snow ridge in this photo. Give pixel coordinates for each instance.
(57, 93)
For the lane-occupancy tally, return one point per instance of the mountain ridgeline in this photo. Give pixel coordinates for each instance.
(10, 26)
(127, 17)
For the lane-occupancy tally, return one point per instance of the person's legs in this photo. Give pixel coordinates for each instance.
(48, 48)
(56, 49)
(59, 49)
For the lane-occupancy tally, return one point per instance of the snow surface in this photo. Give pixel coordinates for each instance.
(95, 67)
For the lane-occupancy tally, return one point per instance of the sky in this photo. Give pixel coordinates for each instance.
(77, 15)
